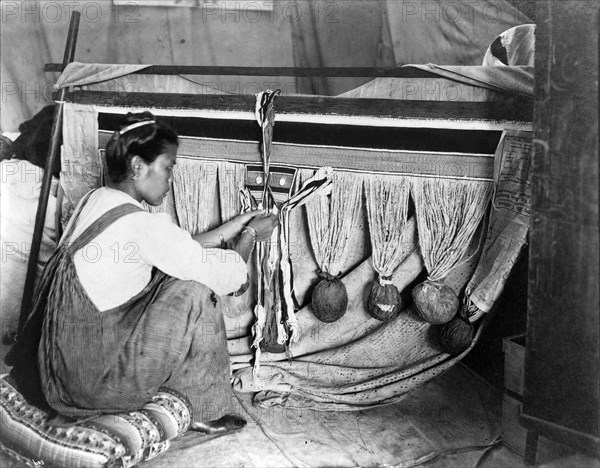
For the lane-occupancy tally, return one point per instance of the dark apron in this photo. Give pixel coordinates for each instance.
(89, 362)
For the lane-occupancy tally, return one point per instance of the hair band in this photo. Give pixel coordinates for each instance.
(133, 126)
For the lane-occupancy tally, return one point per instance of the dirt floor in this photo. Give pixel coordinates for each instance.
(453, 421)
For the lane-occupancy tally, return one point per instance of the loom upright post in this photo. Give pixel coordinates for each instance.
(40, 216)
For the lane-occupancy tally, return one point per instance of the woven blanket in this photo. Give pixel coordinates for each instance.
(120, 440)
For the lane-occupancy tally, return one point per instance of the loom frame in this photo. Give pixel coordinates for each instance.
(516, 109)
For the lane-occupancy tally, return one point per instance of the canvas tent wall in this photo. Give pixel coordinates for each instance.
(316, 33)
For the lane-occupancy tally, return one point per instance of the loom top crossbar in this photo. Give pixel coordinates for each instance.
(340, 72)
(320, 109)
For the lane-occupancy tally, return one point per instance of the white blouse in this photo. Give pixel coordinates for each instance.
(117, 264)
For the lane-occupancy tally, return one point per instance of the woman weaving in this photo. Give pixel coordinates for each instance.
(127, 303)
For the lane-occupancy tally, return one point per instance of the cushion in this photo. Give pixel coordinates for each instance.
(116, 440)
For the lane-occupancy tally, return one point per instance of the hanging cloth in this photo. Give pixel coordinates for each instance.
(268, 313)
(265, 116)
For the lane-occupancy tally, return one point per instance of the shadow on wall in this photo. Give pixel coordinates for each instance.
(510, 318)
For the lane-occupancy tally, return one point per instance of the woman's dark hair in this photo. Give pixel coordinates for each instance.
(146, 141)
(34, 141)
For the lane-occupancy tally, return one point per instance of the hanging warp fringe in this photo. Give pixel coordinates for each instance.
(330, 222)
(448, 213)
(231, 179)
(194, 188)
(387, 212)
(231, 182)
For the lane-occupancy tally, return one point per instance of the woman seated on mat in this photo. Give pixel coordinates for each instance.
(128, 303)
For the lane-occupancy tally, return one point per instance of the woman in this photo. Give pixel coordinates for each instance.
(127, 304)
(22, 167)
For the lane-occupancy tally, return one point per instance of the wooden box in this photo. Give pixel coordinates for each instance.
(513, 434)
(514, 363)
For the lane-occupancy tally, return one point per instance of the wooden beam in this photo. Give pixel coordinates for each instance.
(520, 111)
(346, 72)
(562, 356)
(40, 217)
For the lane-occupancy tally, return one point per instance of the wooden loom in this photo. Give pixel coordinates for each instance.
(446, 139)
(496, 116)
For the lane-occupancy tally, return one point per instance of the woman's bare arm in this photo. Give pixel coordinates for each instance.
(226, 232)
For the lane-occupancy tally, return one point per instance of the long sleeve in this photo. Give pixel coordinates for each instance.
(117, 264)
(172, 250)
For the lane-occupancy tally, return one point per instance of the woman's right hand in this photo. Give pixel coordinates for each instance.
(243, 219)
(263, 224)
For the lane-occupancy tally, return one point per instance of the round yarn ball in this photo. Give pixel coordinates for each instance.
(435, 302)
(329, 300)
(384, 301)
(456, 336)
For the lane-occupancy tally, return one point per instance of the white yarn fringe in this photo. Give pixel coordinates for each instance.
(387, 212)
(194, 187)
(448, 213)
(331, 220)
(231, 182)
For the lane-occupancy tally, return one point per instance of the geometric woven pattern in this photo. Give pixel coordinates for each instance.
(116, 440)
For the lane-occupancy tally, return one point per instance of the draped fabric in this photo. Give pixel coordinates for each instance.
(453, 83)
(79, 74)
(515, 46)
(356, 362)
(82, 168)
(314, 33)
(363, 33)
(457, 32)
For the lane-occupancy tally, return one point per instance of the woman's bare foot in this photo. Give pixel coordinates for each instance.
(228, 423)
